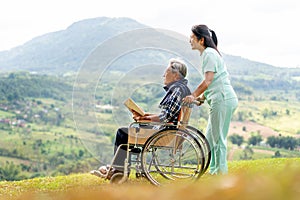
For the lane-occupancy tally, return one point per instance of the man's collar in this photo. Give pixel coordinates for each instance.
(183, 81)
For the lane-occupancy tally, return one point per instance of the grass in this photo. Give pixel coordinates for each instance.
(283, 152)
(4, 114)
(260, 152)
(244, 177)
(259, 179)
(284, 121)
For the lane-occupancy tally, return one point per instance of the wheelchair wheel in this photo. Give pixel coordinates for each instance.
(204, 144)
(118, 178)
(172, 155)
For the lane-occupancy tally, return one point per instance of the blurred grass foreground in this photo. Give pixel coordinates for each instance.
(277, 178)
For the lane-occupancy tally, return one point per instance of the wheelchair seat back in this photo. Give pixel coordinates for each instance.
(184, 116)
(139, 133)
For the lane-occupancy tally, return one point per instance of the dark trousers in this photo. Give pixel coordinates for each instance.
(121, 138)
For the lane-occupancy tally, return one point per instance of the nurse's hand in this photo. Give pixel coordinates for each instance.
(200, 99)
(188, 99)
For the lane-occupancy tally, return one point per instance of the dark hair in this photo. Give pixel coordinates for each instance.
(210, 37)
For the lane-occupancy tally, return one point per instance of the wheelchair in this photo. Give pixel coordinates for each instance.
(164, 153)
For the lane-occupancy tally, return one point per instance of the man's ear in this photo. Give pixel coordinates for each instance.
(177, 76)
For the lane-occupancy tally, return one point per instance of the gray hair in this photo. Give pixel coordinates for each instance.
(178, 66)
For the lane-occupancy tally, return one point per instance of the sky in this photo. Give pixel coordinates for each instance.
(260, 30)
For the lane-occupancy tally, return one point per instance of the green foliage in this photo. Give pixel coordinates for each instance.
(236, 139)
(286, 142)
(269, 113)
(254, 174)
(20, 85)
(38, 133)
(48, 144)
(277, 154)
(247, 153)
(243, 89)
(10, 172)
(255, 139)
(241, 116)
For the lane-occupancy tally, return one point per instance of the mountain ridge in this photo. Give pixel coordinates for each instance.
(64, 51)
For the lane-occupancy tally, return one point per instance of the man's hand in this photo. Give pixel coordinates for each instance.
(137, 117)
(135, 114)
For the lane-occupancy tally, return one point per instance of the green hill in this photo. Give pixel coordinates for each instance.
(40, 137)
(20, 85)
(255, 180)
(46, 131)
(64, 52)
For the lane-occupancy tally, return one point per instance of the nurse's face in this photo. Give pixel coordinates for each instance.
(195, 43)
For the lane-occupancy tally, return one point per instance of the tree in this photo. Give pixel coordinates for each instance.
(81, 153)
(283, 142)
(289, 143)
(254, 139)
(277, 154)
(236, 139)
(10, 172)
(241, 116)
(247, 153)
(272, 141)
(265, 113)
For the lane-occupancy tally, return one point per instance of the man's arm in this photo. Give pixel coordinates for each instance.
(169, 110)
(172, 107)
(152, 118)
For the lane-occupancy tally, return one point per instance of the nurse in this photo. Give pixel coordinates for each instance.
(216, 89)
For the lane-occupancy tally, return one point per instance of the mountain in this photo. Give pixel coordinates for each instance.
(65, 50)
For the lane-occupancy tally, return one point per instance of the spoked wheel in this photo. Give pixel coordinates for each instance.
(204, 144)
(172, 155)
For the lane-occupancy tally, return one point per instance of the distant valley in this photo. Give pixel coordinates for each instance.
(61, 96)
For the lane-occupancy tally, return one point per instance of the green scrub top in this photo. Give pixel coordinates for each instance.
(220, 88)
(223, 101)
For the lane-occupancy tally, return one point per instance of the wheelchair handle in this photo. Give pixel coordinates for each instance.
(196, 102)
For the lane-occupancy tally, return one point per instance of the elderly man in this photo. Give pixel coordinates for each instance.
(176, 89)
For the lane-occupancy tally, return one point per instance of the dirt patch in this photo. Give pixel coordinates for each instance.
(269, 152)
(246, 128)
(4, 159)
(231, 153)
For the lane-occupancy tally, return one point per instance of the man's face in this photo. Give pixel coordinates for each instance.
(169, 76)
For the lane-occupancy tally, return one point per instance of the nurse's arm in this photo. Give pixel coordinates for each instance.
(209, 76)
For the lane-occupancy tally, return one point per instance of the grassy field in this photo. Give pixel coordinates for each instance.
(259, 179)
(41, 142)
(281, 116)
